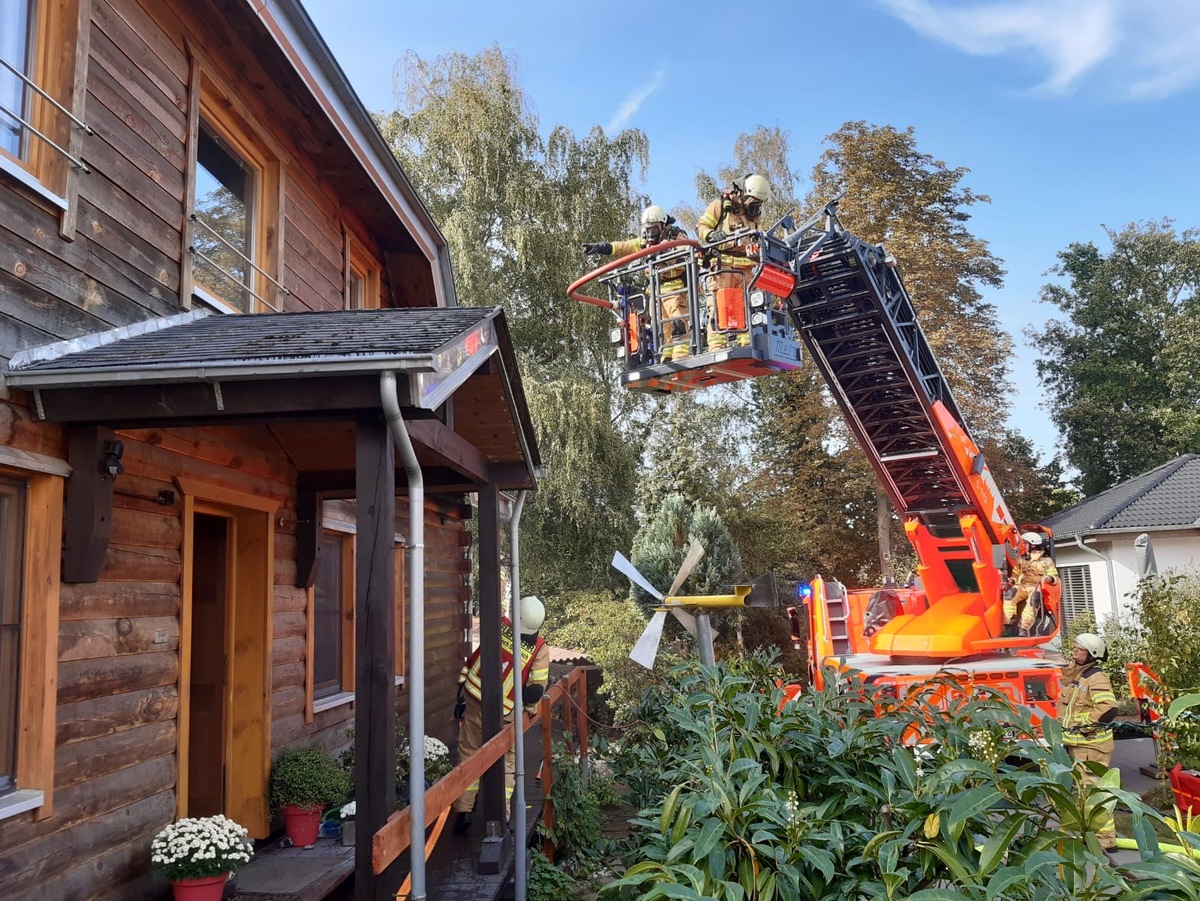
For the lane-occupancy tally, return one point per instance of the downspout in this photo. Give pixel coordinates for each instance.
(416, 631)
(1112, 579)
(519, 874)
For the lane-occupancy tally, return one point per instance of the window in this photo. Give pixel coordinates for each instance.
(31, 508)
(1077, 598)
(362, 276)
(333, 617)
(39, 135)
(225, 207)
(235, 238)
(12, 553)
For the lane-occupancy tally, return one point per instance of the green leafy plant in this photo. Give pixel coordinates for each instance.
(576, 833)
(547, 882)
(307, 777)
(849, 793)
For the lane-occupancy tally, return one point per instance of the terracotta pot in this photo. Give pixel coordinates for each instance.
(200, 888)
(302, 824)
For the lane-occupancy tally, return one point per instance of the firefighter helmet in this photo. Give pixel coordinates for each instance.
(655, 222)
(1092, 643)
(533, 614)
(1035, 540)
(756, 187)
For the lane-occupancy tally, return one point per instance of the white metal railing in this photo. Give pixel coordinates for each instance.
(199, 220)
(25, 123)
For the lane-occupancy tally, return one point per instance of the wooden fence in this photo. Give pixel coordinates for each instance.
(568, 696)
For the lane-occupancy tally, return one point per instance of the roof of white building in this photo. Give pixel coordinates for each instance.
(1164, 498)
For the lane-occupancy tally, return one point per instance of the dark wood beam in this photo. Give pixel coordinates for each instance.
(338, 483)
(449, 447)
(94, 455)
(375, 661)
(308, 537)
(491, 785)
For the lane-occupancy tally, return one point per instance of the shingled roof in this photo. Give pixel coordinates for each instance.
(1164, 498)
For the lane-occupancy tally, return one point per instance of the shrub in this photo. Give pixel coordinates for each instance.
(847, 793)
(307, 777)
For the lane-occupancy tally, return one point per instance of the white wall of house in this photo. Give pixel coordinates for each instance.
(1087, 585)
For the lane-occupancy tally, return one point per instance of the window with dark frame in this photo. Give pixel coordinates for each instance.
(223, 238)
(12, 553)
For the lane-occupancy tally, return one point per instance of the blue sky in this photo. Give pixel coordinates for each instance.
(1071, 114)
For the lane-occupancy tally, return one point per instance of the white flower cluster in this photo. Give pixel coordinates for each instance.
(984, 746)
(435, 749)
(348, 810)
(198, 846)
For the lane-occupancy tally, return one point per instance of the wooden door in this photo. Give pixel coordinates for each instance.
(206, 707)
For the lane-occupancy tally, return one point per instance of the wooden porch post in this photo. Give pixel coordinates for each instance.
(491, 785)
(375, 661)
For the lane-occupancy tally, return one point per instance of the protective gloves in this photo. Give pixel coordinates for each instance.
(601, 249)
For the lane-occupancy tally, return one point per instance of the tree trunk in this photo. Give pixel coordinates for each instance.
(883, 525)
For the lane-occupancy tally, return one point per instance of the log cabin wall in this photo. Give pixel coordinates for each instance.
(115, 769)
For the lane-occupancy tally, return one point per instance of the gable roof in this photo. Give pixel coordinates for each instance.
(1166, 497)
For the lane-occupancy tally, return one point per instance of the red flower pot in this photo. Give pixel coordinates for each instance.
(200, 888)
(302, 824)
(1186, 787)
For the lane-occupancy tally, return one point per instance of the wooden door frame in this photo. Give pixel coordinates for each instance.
(252, 580)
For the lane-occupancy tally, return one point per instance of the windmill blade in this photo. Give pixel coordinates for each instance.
(646, 649)
(695, 552)
(685, 619)
(630, 572)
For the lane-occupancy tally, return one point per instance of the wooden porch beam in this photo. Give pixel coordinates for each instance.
(450, 448)
(375, 660)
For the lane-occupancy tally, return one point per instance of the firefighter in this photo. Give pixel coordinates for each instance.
(658, 226)
(535, 670)
(1086, 709)
(738, 208)
(1032, 568)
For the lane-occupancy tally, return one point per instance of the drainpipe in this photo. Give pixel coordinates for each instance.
(416, 630)
(1112, 579)
(519, 874)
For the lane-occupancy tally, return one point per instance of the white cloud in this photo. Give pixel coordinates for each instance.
(633, 102)
(1134, 48)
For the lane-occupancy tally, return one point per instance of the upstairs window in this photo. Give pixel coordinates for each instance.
(362, 276)
(17, 46)
(225, 212)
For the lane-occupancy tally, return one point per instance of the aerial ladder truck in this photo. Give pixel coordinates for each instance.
(820, 289)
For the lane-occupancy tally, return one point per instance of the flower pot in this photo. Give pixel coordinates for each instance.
(200, 888)
(1186, 787)
(302, 824)
(348, 833)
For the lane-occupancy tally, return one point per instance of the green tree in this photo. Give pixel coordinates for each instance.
(662, 543)
(1120, 372)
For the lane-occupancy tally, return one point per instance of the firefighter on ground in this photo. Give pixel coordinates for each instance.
(534, 670)
(1033, 567)
(737, 209)
(1086, 709)
(659, 226)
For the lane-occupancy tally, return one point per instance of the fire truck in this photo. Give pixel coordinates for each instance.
(818, 291)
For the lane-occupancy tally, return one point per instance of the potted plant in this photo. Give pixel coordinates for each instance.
(199, 854)
(303, 783)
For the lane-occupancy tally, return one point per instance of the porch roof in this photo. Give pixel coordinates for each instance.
(456, 374)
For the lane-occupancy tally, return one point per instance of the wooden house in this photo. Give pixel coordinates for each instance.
(235, 361)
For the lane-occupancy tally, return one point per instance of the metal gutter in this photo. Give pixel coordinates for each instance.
(519, 820)
(1112, 579)
(416, 631)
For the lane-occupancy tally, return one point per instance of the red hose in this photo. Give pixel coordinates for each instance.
(573, 291)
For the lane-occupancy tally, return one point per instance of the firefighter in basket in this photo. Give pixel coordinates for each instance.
(737, 209)
(1033, 567)
(658, 226)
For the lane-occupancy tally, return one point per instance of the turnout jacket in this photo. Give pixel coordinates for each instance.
(535, 666)
(1087, 706)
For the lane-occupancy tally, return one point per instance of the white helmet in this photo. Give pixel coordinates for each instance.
(533, 614)
(1092, 643)
(757, 187)
(654, 214)
(1035, 540)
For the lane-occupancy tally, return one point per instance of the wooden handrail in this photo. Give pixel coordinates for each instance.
(393, 837)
